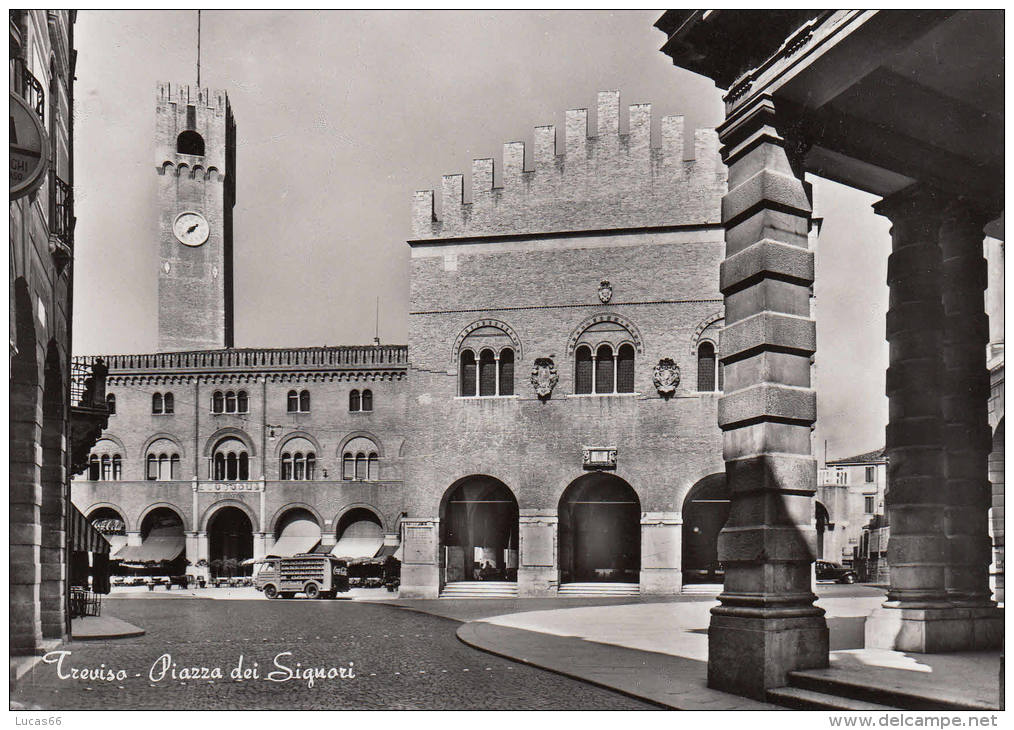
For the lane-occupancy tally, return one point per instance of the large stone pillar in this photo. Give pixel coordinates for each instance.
(766, 625)
(661, 553)
(538, 570)
(965, 395)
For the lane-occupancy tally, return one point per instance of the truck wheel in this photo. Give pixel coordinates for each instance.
(311, 590)
(270, 591)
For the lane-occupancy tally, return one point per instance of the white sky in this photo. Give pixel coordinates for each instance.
(340, 116)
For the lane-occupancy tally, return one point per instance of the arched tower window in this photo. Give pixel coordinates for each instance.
(117, 467)
(217, 402)
(94, 472)
(304, 401)
(507, 371)
(583, 370)
(292, 402)
(156, 403)
(354, 401)
(367, 400)
(230, 402)
(625, 369)
(487, 373)
(604, 370)
(230, 460)
(242, 402)
(169, 404)
(190, 143)
(111, 404)
(706, 363)
(162, 462)
(467, 378)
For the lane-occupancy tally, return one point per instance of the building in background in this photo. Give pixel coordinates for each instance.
(52, 426)
(850, 494)
(214, 454)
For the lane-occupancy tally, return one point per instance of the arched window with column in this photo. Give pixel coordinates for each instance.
(292, 402)
(360, 460)
(706, 367)
(107, 467)
(355, 404)
(230, 460)
(156, 403)
(94, 468)
(304, 401)
(117, 467)
(486, 354)
(230, 402)
(605, 350)
(367, 400)
(162, 460)
(169, 403)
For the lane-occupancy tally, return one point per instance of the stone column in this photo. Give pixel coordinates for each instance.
(967, 437)
(965, 395)
(263, 542)
(766, 625)
(538, 570)
(661, 553)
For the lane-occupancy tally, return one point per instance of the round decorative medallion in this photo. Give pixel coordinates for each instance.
(191, 229)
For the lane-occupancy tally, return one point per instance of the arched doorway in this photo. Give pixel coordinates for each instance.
(479, 531)
(297, 531)
(822, 520)
(359, 533)
(230, 542)
(600, 531)
(705, 510)
(113, 527)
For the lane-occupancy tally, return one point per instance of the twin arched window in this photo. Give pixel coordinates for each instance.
(230, 460)
(298, 402)
(491, 375)
(709, 370)
(298, 466)
(361, 401)
(360, 460)
(606, 370)
(230, 402)
(162, 403)
(105, 467)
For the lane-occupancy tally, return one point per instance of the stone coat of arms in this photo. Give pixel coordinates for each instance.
(666, 376)
(605, 292)
(544, 376)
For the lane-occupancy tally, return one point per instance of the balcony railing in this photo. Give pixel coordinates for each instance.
(24, 84)
(61, 214)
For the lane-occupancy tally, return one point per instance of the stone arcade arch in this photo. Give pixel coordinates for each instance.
(110, 521)
(600, 531)
(230, 538)
(705, 511)
(479, 531)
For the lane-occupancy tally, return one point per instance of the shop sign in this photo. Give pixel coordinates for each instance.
(28, 159)
(229, 487)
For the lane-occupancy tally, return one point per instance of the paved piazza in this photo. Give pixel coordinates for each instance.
(402, 659)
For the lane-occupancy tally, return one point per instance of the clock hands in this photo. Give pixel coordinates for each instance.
(193, 228)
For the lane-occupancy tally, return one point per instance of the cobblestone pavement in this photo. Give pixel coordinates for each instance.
(401, 660)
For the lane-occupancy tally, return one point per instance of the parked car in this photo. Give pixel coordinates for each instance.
(835, 571)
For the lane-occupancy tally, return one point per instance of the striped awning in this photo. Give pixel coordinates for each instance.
(83, 536)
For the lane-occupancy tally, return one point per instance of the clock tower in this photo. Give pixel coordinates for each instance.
(196, 162)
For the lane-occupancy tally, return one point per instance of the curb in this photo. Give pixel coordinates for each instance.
(99, 637)
(466, 635)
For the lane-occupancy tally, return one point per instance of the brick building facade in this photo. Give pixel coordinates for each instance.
(548, 272)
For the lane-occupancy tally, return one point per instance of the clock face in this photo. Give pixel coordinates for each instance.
(191, 229)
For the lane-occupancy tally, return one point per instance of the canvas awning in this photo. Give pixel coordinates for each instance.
(386, 550)
(162, 544)
(358, 547)
(298, 536)
(83, 535)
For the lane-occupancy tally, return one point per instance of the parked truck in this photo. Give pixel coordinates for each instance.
(313, 575)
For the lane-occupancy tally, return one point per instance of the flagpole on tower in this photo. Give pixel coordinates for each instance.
(198, 49)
